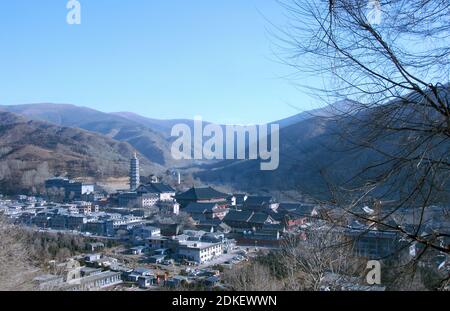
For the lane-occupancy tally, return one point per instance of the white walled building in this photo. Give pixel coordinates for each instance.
(165, 193)
(199, 252)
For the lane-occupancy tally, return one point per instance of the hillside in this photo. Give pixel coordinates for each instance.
(150, 143)
(31, 151)
(162, 126)
(315, 152)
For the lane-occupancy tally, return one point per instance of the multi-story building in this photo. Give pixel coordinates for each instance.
(94, 282)
(73, 190)
(202, 195)
(163, 192)
(146, 232)
(199, 252)
(59, 222)
(134, 173)
(75, 222)
(98, 228)
(148, 195)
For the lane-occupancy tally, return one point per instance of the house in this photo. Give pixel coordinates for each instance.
(245, 220)
(200, 211)
(103, 262)
(123, 270)
(73, 190)
(212, 237)
(259, 220)
(132, 277)
(238, 219)
(158, 242)
(148, 195)
(128, 199)
(262, 235)
(169, 229)
(143, 271)
(92, 257)
(199, 252)
(201, 195)
(58, 221)
(162, 191)
(303, 209)
(297, 214)
(86, 271)
(170, 207)
(213, 225)
(260, 203)
(48, 281)
(94, 282)
(86, 208)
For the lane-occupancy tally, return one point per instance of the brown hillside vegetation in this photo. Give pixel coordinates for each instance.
(31, 151)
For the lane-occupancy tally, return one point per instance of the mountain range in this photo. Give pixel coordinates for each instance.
(31, 151)
(64, 130)
(312, 153)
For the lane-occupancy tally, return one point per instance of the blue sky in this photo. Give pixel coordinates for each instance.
(159, 58)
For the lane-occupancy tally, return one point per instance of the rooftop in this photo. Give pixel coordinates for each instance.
(156, 188)
(201, 194)
(200, 208)
(197, 245)
(258, 200)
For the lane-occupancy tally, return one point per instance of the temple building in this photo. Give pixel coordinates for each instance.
(134, 173)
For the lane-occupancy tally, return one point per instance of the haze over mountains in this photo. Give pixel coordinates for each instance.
(312, 154)
(151, 138)
(151, 143)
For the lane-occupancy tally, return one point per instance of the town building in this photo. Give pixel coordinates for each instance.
(260, 203)
(199, 252)
(241, 221)
(146, 231)
(73, 190)
(146, 196)
(162, 191)
(94, 282)
(202, 195)
(202, 211)
(372, 243)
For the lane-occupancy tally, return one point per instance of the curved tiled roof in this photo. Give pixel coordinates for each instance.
(155, 188)
(201, 194)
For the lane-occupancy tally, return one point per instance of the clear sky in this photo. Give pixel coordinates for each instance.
(159, 58)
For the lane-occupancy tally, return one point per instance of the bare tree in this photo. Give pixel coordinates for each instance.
(308, 261)
(251, 277)
(16, 266)
(387, 64)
